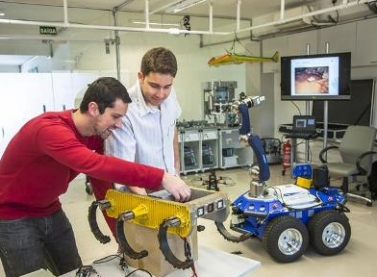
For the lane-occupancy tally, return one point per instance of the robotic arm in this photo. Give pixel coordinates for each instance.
(243, 106)
(259, 175)
(253, 140)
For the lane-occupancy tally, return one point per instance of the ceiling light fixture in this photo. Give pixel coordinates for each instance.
(155, 23)
(182, 5)
(174, 31)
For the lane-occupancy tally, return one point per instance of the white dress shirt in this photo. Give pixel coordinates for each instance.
(147, 132)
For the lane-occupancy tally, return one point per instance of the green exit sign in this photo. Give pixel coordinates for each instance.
(47, 30)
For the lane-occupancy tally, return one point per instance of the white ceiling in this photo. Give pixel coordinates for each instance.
(249, 9)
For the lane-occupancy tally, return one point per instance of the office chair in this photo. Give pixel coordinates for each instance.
(356, 152)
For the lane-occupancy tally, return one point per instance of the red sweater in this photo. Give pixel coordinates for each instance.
(46, 155)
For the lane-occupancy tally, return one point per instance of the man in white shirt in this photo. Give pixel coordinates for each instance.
(148, 134)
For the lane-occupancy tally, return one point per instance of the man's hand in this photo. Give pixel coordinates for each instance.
(137, 190)
(176, 187)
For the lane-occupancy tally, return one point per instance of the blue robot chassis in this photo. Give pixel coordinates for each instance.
(286, 218)
(255, 212)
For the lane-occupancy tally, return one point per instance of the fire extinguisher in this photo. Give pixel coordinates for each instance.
(287, 148)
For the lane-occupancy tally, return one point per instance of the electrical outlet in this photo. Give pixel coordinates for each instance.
(228, 141)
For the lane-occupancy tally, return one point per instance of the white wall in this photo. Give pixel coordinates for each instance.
(193, 69)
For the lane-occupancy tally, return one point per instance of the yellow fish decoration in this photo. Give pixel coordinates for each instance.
(233, 58)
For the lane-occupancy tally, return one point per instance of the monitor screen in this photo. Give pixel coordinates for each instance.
(304, 123)
(316, 77)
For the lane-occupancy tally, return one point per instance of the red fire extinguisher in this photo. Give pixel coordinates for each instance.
(287, 148)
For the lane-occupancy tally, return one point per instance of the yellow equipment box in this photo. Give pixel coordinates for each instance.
(156, 232)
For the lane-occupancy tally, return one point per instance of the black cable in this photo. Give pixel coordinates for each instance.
(86, 271)
(136, 270)
(122, 264)
(107, 259)
(299, 111)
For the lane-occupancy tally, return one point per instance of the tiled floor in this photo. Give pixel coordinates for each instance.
(358, 258)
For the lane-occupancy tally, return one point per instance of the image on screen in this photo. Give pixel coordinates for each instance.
(311, 122)
(301, 123)
(315, 76)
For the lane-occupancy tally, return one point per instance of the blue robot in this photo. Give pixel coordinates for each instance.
(286, 218)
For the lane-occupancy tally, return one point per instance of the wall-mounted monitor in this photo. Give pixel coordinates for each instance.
(316, 77)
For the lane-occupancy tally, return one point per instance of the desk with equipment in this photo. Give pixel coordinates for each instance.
(303, 127)
(334, 131)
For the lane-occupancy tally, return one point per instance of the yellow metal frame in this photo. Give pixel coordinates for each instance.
(150, 212)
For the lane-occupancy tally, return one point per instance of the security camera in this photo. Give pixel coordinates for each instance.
(186, 19)
(186, 22)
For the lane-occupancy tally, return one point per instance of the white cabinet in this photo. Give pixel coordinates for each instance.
(189, 143)
(64, 96)
(70, 87)
(199, 150)
(209, 149)
(80, 82)
(26, 95)
(23, 96)
(366, 43)
(231, 152)
(340, 38)
(302, 43)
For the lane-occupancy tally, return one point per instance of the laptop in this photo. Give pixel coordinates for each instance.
(304, 126)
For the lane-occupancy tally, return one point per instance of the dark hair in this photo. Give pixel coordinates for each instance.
(104, 91)
(159, 60)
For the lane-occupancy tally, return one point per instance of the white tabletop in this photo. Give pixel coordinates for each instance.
(211, 263)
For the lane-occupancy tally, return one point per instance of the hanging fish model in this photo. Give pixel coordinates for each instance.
(233, 58)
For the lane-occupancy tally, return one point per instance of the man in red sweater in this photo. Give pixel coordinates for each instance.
(42, 159)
